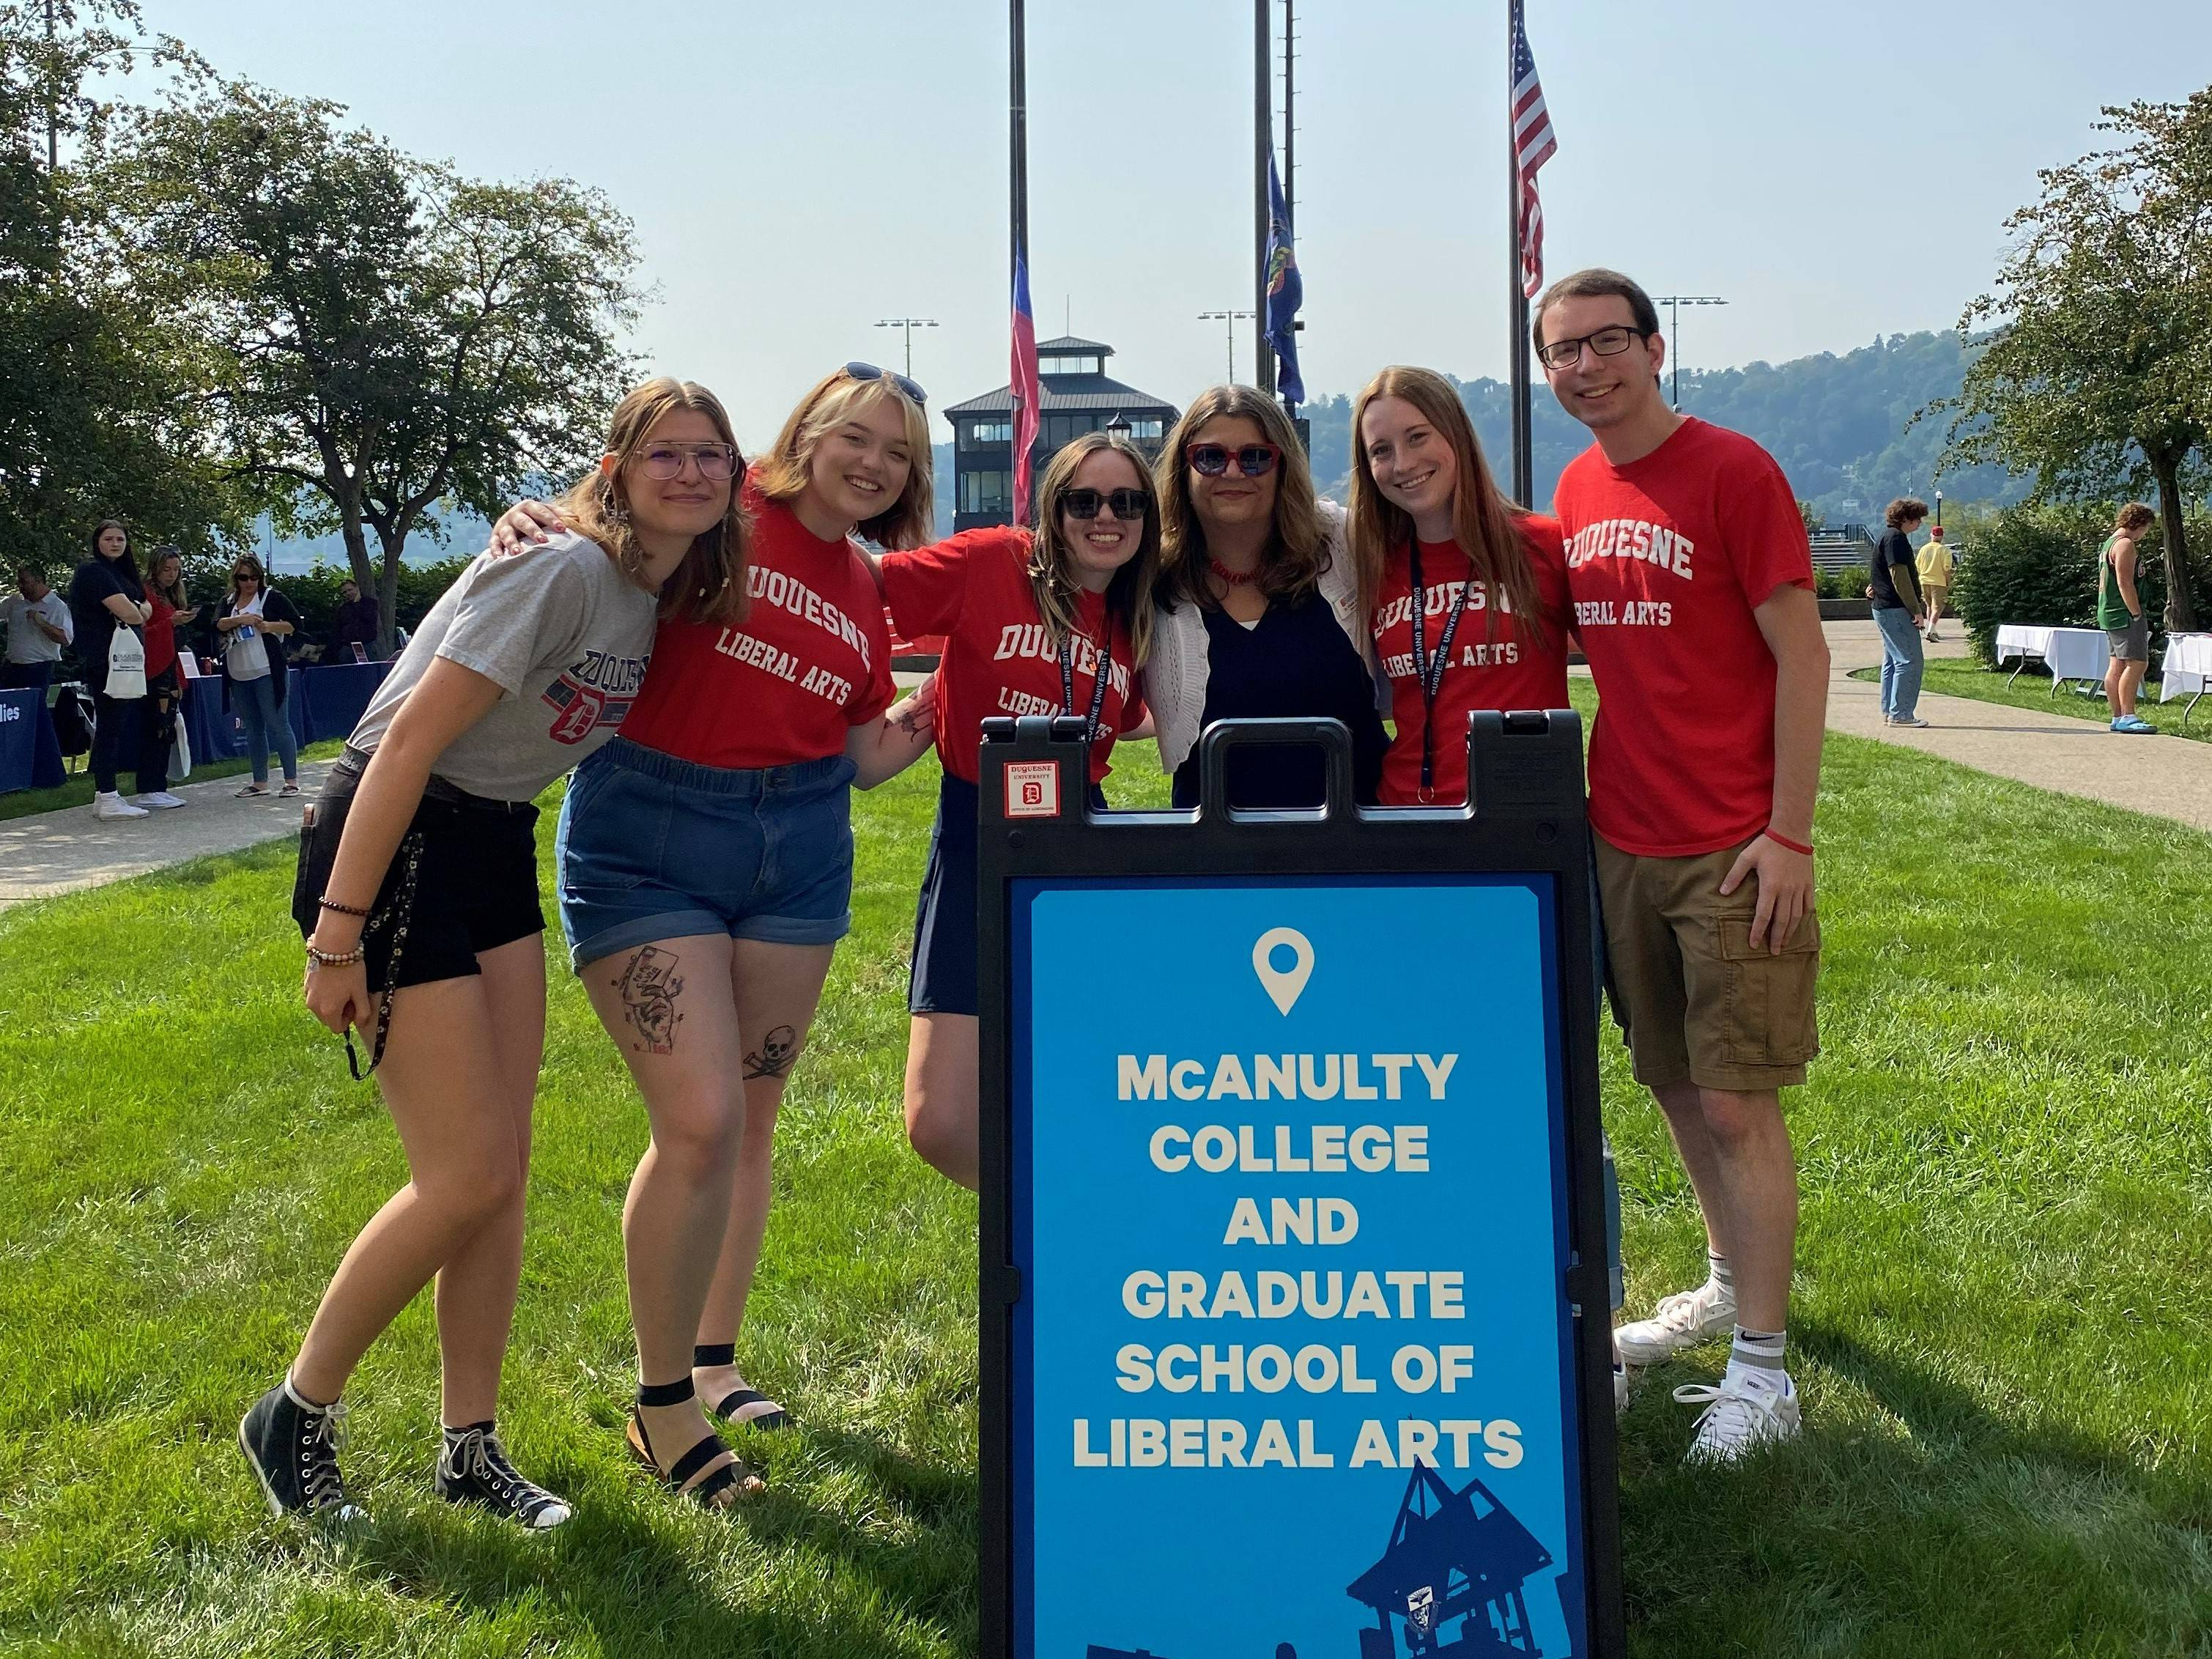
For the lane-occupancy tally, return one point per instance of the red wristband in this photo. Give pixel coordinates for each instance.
(1780, 840)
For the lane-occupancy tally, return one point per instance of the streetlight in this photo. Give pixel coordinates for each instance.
(909, 323)
(1229, 317)
(1673, 301)
(1939, 509)
(1119, 427)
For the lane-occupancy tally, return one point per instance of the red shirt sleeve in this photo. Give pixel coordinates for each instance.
(925, 588)
(1767, 544)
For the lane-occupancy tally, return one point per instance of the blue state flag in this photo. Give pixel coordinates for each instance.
(1286, 292)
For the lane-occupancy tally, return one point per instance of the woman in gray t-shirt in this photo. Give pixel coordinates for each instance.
(418, 894)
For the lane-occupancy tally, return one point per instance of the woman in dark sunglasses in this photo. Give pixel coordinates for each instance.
(1259, 603)
(1054, 620)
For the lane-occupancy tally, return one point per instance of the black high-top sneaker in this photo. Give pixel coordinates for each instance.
(293, 1448)
(472, 1468)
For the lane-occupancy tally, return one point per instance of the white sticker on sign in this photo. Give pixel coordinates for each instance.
(1033, 789)
(1283, 986)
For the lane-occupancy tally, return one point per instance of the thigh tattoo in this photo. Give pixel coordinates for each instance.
(649, 986)
(774, 1057)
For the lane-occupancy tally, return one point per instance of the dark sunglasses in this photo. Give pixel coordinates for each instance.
(869, 372)
(1253, 460)
(1129, 505)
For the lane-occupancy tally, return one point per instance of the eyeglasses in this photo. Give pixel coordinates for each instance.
(1253, 460)
(1606, 342)
(1127, 504)
(718, 462)
(869, 372)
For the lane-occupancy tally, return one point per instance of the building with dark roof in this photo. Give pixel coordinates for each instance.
(1076, 396)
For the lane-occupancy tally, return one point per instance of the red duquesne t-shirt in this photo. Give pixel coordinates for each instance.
(1667, 557)
(1495, 663)
(811, 659)
(975, 589)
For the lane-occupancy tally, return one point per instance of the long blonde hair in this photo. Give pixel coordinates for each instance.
(1485, 523)
(1052, 558)
(1296, 554)
(709, 585)
(782, 473)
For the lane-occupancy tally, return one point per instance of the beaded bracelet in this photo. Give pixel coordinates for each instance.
(343, 910)
(334, 958)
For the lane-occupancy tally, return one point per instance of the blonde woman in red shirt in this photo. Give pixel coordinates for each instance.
(1052, 621)
(706, 873)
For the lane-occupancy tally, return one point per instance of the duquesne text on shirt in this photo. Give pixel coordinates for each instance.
(1030, 640)
(788, 593)
(1631, 538)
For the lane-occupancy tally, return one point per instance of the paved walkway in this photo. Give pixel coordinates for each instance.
(57, 852)
(2168, 777)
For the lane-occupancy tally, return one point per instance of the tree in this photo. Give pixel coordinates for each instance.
(2100, 375)
(100, 414)
(384, 338)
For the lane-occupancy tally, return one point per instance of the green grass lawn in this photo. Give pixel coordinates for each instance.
(2004, 1293)
(1963, 677)
(76, 790)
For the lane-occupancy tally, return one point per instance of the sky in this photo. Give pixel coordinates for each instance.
(798, 173)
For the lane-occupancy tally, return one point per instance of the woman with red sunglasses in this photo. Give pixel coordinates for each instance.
(1259, 603)
(1052, 621)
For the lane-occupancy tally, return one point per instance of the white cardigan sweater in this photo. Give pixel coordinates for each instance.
(1176, 669)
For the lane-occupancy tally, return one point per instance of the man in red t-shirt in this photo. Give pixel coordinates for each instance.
(1692, 583)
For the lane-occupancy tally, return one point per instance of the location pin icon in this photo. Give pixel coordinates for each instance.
(1284, 987)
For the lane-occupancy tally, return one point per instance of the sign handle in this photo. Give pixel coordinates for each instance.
(1328, 736)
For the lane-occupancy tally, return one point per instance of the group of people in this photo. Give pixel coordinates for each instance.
(705, 642)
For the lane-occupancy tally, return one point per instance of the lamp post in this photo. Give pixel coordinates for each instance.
(1939, 509)
(1119, 427)
(909, 323)
(1674, 302)
(1230, 317)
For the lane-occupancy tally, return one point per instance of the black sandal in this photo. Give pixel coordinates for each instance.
(730, 1404)
(719, 1490)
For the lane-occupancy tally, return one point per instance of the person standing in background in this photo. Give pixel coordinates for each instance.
(105, 594)
(165, 685)
(37, 623)
(2120, 613)
(359, 622)
(1898, 609)
(1935, 563)
(252, 623)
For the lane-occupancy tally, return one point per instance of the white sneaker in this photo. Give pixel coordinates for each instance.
(1746, 1410)
(1685, 1320)
(161, 798)
(112, 805)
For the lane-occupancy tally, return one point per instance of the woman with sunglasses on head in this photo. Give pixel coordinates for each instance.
(1258, 604)
(707, 875)
(1054, 620)
(251, 624)
(165, 683)
(417, 893)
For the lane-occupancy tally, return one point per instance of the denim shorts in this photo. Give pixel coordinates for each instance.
(654, 847)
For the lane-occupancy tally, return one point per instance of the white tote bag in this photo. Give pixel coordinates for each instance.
(126, 665)
(181, 767)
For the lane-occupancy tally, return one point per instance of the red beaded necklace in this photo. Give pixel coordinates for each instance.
(1232, 578)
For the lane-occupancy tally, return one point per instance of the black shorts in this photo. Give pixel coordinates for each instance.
(943, 978)
(475, 885)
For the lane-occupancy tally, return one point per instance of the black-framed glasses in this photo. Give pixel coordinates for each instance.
(1129, 505)
(718, 462)
(1253, 460)
(1606, 342)
(869, 372)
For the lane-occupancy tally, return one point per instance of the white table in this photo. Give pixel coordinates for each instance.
(2187, 670)
(2070, 653)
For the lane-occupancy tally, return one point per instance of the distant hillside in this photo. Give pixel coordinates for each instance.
(1836, 424)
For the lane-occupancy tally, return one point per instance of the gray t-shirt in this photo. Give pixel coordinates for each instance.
(566, 635)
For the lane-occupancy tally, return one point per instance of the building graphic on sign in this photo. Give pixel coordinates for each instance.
(1452, 1556)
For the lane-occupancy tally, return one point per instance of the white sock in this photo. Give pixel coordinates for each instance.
(1761, 1352)
(1720, 1279)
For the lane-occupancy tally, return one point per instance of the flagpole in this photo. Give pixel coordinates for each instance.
(1517, 305)
(1263, 144)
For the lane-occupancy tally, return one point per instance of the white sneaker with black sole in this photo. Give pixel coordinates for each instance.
(107, 803)
(473, 1469)
(1749, 1408)
(1688, 1319)
(292, 1447)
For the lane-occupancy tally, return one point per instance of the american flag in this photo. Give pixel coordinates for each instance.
(1025, 389)
(1533, 144)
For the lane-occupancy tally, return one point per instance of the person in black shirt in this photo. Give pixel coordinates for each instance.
(358, 623)
(1893, 585)
(1258, 615)
(105, 594)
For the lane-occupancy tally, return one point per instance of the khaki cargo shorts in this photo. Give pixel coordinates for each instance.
(1694, 998)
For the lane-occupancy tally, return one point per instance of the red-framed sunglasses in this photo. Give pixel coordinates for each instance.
(1212, 460)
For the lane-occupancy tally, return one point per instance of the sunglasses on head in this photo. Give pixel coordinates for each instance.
(869, 372)
(1212, 460)
(1129, 505)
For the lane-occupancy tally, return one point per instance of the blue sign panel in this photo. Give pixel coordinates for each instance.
(1293, 1360)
